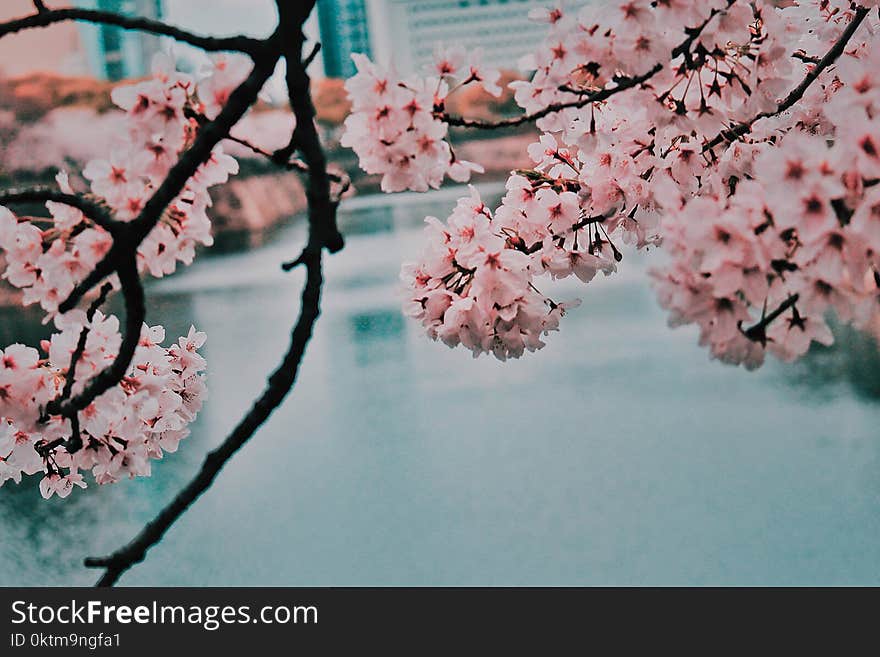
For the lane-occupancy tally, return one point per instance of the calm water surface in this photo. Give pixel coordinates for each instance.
(618, 455)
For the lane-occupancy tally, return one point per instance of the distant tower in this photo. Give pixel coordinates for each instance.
(114, 53)
(344, 30)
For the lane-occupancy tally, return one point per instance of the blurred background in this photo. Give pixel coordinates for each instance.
(617, 455)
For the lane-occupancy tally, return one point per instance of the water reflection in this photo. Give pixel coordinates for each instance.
(619, 455)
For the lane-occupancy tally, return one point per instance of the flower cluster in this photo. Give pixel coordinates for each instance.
(668, 126)
(145, 415)
(396, 127)
(121, 431)
(46, 262)
(473, 285)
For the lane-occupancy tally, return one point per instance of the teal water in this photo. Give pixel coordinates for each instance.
(618, 455)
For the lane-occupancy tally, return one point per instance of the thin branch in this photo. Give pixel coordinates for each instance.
(592, 97)
(588, 97)
(805, 58)
(45, 17)
(74, 443)
(90, 206)
(77, 354)
(758, 332)
(279, 385)
(321, 224)
(798, 92)
(291, 164)
(135, 313)
(39, 6)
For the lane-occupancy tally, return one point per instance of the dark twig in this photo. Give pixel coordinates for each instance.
(321, 224)
(39, 6)
(74, 441)
(88, 205)
(135, 313)
(279, 385)
(322, 208)
(805, 58)
(592, 97)
(291, 164)
(81, 343)
(587, 97)
(798, 92)
(45, 17)
(758, 332)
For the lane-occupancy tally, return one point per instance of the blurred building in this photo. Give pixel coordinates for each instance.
(57, 49)
(114, 53)
(344, 30)
(405, 31)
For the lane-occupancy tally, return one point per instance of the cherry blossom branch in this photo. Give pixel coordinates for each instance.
(127, 240)
(74, 443)
(81, 343)
(798, 92)
(46, 17)
(593, 97)
(292, 164)
(39, 6)
(122, 256)
(88, 205)
(135, 314)
(587, 97)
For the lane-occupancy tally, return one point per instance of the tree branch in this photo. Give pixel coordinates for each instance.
(758, 332)
(74, 443)
(135, 313)
(587, 97)
(46, 17)
(321, 225)
(88, 205)
(593, 97)
(290, 164)
(322, 209)
(279, 385)
(798, 92)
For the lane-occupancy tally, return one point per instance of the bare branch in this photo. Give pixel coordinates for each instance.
(45, 17)
(292, 164)
(305, 139)
(279, 385)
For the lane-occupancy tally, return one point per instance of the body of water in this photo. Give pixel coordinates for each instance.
(618, 455)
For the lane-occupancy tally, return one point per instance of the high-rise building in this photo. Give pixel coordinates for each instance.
(114, 53)
(344, 30)
(404, 32)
